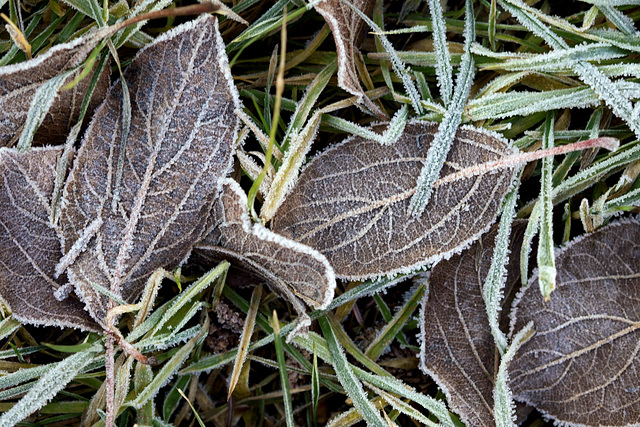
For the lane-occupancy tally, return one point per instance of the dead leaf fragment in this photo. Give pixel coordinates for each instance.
(291, 269)
(20, 82)
(179, 146)
(351, 202)
(29, 246)
(348, 32)
(582, 365)
(458, 350)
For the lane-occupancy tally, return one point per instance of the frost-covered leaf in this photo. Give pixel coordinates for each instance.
(348, 32)
(351, 202)
(581, 366)
(179, 146)
(291, 269)
(458, 349)
(19, 84)
(29, 246)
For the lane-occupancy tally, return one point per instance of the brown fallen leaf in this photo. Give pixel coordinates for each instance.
(291, 269)
(458, 350)
(348, 32)
(20, 82)
(582, 366)
(351, 202)
(29, 245)
(126, 213)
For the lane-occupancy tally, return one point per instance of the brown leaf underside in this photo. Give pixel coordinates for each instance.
(180, 143)
(458, 349)
(29, 245)
(19, 84)
(582, 366)
(289, 268)
(351, 202)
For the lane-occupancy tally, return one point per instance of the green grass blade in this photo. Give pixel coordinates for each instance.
(188, 295)
(496, 277)
(245, 338)
(444, 71)
(348, 379)
(57, 376)
(42, 102)
(546, 258)
(503, 407)
(297, 145)
(8, 326)
(282, 367)
(167, 371)
(602, 86)
(439, 148)
(393, 327)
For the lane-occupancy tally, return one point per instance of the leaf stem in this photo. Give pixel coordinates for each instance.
(608, 143)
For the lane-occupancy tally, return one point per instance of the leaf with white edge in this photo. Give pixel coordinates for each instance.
(458, 348)
(581, 366)
(348, 32)
(30, 246)
(351, 202)
(291, 269)
(20, 83)
(179, 147)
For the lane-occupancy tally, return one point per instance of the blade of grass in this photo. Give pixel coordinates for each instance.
(439, 148)
(282, 367)
(348, 379)
(393, 327)
(198, 419)
(245, 338)
(546, 259)
(496, 277)
(57, 376)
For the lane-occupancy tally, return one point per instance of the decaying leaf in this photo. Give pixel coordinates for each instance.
(29, 245)
(20, 82)
(458, 349)
(348, 32)
(116, 230)
(351, 202)
(582, 366)
(291, 269)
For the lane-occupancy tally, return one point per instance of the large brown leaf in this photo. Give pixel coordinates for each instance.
(458, 349)
(115, 232)
(29, 245)
(582, 366)
(20, 82)
(291, 269)
(351, 202)
(348, 32)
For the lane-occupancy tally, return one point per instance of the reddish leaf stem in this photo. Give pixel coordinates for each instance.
(610, 144)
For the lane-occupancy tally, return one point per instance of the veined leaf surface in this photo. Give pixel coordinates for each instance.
(581, 366)
(116, 230)
(351, 202)
(458, 349)
(20, 82)
(293, 270)
(29, 245)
